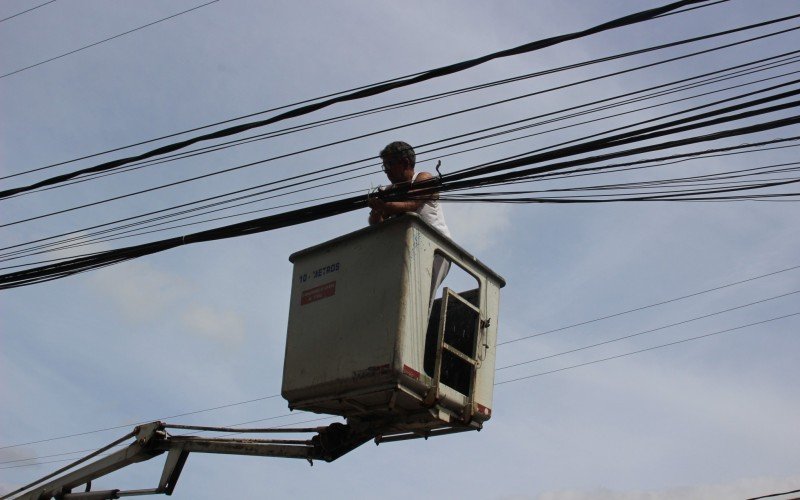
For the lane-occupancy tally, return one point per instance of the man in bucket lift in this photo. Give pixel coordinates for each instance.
(398, 164)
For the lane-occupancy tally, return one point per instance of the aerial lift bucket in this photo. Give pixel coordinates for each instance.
(368, 340)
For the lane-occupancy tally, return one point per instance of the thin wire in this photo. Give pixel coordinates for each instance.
(679, 158)
(706, 180)
(179, 435)
(194, 412)
(727, 330)
(691, 182)
(421, 153)
(718, 332)
(105, 40)
(689, 339)
(712, 80)
(238, 142)
(457, 180)
(274, 417)
(609, 316)
(221, 146)
(421, 100)
(600, 119)
(776, 495)
(73, 464)
(675, 196)
(656, 304)
(439, 72)
(690, 9)
(86, 237)
(26, 11)
(651, 330)
(638, 135)
(551, 113)
(231, 169)
(175, 134)
(140, 229)
(504, 170)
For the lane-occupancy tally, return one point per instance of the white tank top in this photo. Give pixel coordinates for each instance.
(431, 212)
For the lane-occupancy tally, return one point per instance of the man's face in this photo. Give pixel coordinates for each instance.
(396, 170)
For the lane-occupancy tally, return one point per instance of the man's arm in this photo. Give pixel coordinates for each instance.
(387, 208)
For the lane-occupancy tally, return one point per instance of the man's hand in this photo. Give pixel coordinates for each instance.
(376, 204)
(375, 218)
(378, 212)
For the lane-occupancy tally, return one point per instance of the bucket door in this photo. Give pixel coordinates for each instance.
(456, 351)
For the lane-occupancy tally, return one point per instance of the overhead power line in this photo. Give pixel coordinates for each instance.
(501, 172)
(421, 153)
(96, 233)
(105, 40)
(336, 119)
(727, 330)
(120, 445)
(660, 118)
(772, 495)
(737, 180)
(682, 341)
(594, 320)
(416, 101)
(685, 124)
(143, 227)
(193, 412)
(75, 463)
(121, 233)
(474, 108)
(26, 11)
(527, 377)
(651, 330)
(504, 169)
(698, 80)
(263, 419)
(663, 160)
(278, 108)
(655, 304)
(688, 9)
(703, 180)
(371, 91)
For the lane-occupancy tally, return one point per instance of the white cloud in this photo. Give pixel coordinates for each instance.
(139, 290)
(144, 293)
(221, 325)
(477, 226)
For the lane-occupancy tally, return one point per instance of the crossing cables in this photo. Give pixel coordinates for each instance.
(360, 94)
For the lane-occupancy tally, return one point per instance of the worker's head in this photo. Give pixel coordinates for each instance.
(398, 161)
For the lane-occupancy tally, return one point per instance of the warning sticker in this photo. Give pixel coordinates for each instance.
(318, 293)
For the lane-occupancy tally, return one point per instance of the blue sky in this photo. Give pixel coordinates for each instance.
(204, 325)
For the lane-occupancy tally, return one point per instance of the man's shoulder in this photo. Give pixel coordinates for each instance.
(424, 176)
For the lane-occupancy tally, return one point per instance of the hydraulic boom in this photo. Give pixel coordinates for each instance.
(153, 439)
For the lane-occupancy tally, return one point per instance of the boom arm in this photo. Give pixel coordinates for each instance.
(152, 440)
